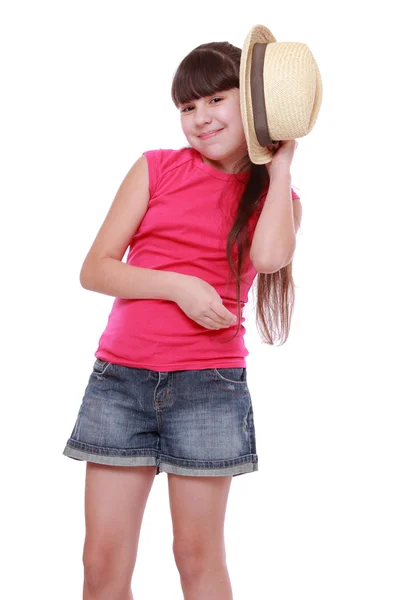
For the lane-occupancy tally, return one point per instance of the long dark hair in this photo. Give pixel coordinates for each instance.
(207, 70)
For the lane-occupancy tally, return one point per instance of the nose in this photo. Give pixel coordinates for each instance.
(202, 115)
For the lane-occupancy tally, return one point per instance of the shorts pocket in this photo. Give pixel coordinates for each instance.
(100, 368)
(232, 374)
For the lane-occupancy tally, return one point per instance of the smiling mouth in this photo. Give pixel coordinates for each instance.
(209, 135)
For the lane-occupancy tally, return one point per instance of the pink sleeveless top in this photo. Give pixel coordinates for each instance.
(190, 212)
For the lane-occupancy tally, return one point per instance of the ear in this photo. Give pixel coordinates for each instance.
(297, 213)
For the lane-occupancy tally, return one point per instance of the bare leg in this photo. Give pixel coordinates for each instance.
(198, 507)
(115, 499)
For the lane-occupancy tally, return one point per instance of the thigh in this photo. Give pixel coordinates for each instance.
(198, 508)
(115, 499)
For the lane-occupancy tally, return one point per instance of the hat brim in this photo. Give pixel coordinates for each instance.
(257, 34)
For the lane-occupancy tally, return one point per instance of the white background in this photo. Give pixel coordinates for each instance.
(86, 90)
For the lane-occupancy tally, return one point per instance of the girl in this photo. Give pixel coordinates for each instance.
(168, 391)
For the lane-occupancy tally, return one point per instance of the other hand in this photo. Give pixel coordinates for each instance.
(201, 302)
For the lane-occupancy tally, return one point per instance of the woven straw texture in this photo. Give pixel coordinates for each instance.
(292, 91)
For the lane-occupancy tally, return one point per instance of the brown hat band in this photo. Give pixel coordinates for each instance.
(257, 95)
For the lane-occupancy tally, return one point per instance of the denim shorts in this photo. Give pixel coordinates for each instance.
(192, 422)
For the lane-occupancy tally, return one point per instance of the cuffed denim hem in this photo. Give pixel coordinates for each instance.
(167, 464)
(241, 469)
(116, 460)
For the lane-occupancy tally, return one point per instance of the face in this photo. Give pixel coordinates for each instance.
(219, 112)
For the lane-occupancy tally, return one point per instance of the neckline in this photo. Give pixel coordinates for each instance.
(214, 172)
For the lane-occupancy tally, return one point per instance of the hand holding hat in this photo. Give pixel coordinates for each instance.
(280, 93)
(282, 155)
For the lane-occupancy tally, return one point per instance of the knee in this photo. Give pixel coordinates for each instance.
(188, 559)
(97, 573)
(101, 572)
(192, 558)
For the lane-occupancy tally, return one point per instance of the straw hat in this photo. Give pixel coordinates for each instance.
(280, 92)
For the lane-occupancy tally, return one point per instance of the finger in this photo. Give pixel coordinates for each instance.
(222, 314)
(210, 323)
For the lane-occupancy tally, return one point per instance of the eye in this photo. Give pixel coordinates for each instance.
(185, 109)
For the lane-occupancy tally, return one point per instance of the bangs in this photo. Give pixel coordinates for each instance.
(202, 73)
